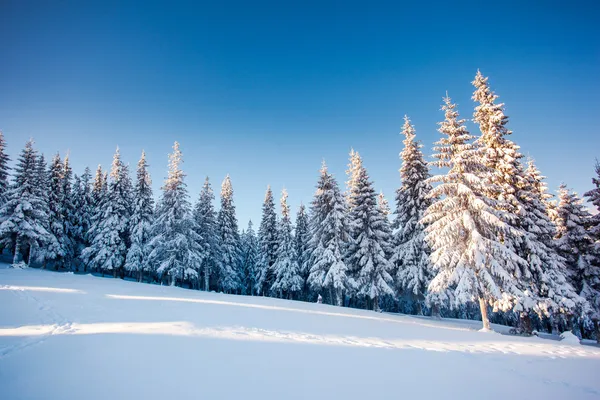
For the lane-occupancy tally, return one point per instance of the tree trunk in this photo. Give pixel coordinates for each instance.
(206, 281)
(141, 276)
(331, 298)
(376, 303)
(525, 323)
(435, 311)
(484, 314)
(419, 308)
(17, 255)
(338, 299)
(597, 326)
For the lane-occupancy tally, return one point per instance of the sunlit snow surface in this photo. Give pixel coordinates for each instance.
(65, 336)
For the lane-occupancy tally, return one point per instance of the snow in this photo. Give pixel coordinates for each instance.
(70, 336)
(569, 338)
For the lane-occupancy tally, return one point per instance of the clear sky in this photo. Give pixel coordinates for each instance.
(265, 90)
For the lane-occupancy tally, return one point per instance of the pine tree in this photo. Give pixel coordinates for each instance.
(141, 223)
(23, 214)
(249, 245)
(287, 271)
(267, 242)
(576, 245)
(175, 248)
(206, 221)
(463, 227)
(229, 240)
(108, 248)
(369, 243)
(302, 248)
(57, 249)
(68, 212)
(328, 238)
(4, 171)
(411, 253)
(354, 164)
(593, 296)
(83, 209)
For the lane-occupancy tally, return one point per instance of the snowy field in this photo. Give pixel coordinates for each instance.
(65, 336)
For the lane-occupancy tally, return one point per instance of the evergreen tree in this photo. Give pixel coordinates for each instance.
(370, 241)
(4, 171)
(593, 196)
(98, 202)
(206, 221)
(354, 164)
(463, 227)
(328, 238)
(23, 214)
(175, 248)
(141, 222)
(411, 253)
(229, 240)
(576, 245)
(68, 212)
(108, 248)
(302, 247)
(83, 209)
(383, 204)
(57, 249)
(267, 242)
(287, 271)
(249, 245)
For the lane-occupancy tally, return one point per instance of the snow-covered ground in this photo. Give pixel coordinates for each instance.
(65, 336)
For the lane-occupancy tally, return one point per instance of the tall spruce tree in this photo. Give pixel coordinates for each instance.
(593, 296)
(267, 242)
(286, 269)
(108, 248)
(175, 248)
(229, 274)
(57, 249)
(411, 253)
(137, 261)
(249, 246)
(68, 212)
(83, 208)
(302, 247)
(328, 238)
(463, 227)
(370, 242)
(23, 215)
(206, 222)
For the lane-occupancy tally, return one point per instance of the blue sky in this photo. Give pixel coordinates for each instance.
(265, 90)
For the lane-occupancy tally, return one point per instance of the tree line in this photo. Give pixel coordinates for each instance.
(480, 238)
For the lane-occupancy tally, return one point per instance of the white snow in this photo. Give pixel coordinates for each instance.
(66, 336)
(569, 338)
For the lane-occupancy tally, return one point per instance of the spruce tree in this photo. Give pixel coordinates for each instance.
(23, 215)
(593, 296)
(83, 209)
(369, 243)
(68, 212)
(137, 261)
(288, 281)
(249, 245)
(411, 253)
(302, 248)
(175, 249)
(206, 222)
(229, 274)
(577, 246)
(267, 242)
(108, 248)
(328, 238)
(57, 249)
(4, 171)
(463, 226)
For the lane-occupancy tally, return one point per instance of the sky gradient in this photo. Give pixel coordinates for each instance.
(264, 91)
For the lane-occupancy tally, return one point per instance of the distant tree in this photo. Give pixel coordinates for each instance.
(229, 236)
(206, 221)
(302, 247)
(249, 245)
(267, 242)
(4, 171)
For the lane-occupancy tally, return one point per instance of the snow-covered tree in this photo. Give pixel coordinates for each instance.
(354, 164)
(175, 248)
(548, 286)
(68, 212)
(137, 260)
(23, 216)
(229, 274)
(267, 242)
(287, 271)
(577, 246)
(370, 241)
(463, 227)
(99, 198)
(249, 245)
(83, 208)
(108, 248)
(4, 170)
(206, 221)
(302, 247)
(411, 253)
(56, 250)
(593, 196)
(328, 238)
